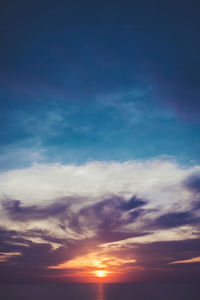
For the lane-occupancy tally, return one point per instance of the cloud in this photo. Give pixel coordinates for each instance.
(108, 213)
(176, 219)
(162, 253)
(155, 261)
(108, 208)
(187, 261)
(150, 179)
(193, 183)
(104, 220)
(21, 213)
(39, 255)
(97, 197)
(107, 219)
(132, 203)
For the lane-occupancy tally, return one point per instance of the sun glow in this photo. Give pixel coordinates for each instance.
(100, 273)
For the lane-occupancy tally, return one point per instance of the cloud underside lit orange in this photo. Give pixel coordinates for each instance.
(187, 261)
(93, 267)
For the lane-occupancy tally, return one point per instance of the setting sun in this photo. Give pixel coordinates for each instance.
(100, 273)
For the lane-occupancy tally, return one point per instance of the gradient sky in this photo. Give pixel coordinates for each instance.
(99, 140)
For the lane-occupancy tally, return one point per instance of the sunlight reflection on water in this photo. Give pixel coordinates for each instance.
(100, 292)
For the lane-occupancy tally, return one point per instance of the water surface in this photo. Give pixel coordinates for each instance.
(122, 291)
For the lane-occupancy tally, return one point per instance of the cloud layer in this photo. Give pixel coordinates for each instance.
(106, 212)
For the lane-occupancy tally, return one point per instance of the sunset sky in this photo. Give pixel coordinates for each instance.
(99, 141)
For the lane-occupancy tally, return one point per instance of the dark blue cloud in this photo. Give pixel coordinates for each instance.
(18, 212)
(132, 203)
(156, 259)
(105, 218)
(176, 219)
(108, 216)
(33, 258)
(165, 252)
(193, 183)
(62, 208)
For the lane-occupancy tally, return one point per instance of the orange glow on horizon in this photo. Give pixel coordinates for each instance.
(94, 267)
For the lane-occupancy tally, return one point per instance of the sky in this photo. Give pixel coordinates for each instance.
(99, 141)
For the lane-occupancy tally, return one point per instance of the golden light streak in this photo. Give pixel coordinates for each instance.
(186, 261)
(94, 260)
(6, 256)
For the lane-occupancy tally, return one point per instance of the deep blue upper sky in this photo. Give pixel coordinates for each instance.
(84, 80)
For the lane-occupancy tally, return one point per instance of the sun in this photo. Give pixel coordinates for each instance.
(100, 273)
